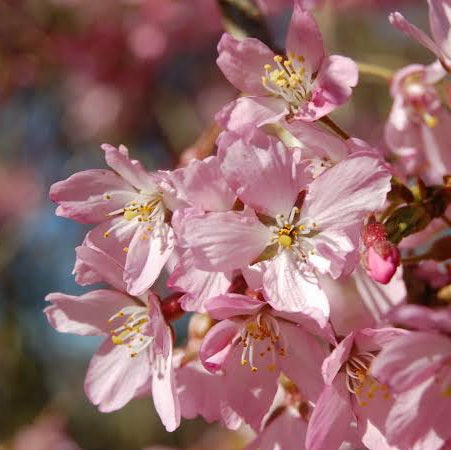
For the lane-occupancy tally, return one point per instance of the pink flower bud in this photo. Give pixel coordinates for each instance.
(382, 260)
(373, 232)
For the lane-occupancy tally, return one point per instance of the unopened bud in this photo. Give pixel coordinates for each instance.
(373, 232)
(382, 260)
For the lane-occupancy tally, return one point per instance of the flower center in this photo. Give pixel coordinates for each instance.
(294, 233)
(147, 209)
(359, 383)
(288, 79)
(261, 336)
(130, 332)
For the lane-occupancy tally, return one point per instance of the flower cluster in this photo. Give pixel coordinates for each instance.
(286, 248)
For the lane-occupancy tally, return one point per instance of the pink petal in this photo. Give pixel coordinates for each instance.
(87, 314)
(242, 63)
(201, 393)
(304, 38)
(269, 180)
(333, 363)
(164, 390)
(331, 418)
(343, 194)
(114, 377)
(375, 339)
(101, 264)
(201, 185)
(290, 287)
(198, 284)
(146, 257)
(336, 78)
(130, 170)
(302, 363)
(409, 360)
(439, 20)
(247, 113)
(83, 196)
(225, 241)
(230, 305)
(249, 393)
(400, 22)
(217, 344)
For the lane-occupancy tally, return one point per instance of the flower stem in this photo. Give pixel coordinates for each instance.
(333, 126)
(376, 71)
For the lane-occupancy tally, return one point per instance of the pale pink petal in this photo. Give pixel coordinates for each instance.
(89, 196)
(247, 113)
(100, 263)
(400, 22)
(422, 318)
(217, 344)
(249, 393)
(304, 38)
(87, 314)
(114, 377)
(285, 431)
(225, 241)
(333, 363)
(410, 359)
(202, 393)
(333, 86)
(375, 339)
(440, 23)
(146, 257)
(302, 363)
(343, 194)
(242, 62)
(378, 298)
(331, 417)
(164, 390)
(201, 185)
(291, 287)
(267, 179)
(199, 285)
(230, 305)
(130, 170)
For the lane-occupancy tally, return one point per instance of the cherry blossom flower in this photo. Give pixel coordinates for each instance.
(417, 367)
(128, 206)
(294, 240)
(252, 344)
(351, 392)
(304, 84)
(136, 355)
(417, 130)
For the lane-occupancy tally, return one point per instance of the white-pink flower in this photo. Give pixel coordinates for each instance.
(304, 84)
(136, 356)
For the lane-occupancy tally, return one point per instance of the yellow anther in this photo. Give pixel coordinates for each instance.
(430, 120)
(267, 66)
(107, 197)
(125, 249)
(106, 234)
(144, 237)
(116, 340)
(264, 81)
(271, 367)
(301, 58)
(278, 59)
(129, 214)
(363, 404)
(285, 241)
(254, 369)
(287, 63)
(243, 362)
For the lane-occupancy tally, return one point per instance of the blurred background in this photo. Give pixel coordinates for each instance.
(75, 74)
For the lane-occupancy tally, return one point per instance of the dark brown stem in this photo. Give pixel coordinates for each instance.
(333, 126)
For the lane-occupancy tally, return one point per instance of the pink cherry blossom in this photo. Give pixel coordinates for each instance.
(296, 240)
(417, 130)
(417, 367)
(350, 392)
(304, 84)
(439, 22)
(128, 206)
(136, 355)
(252, 344)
